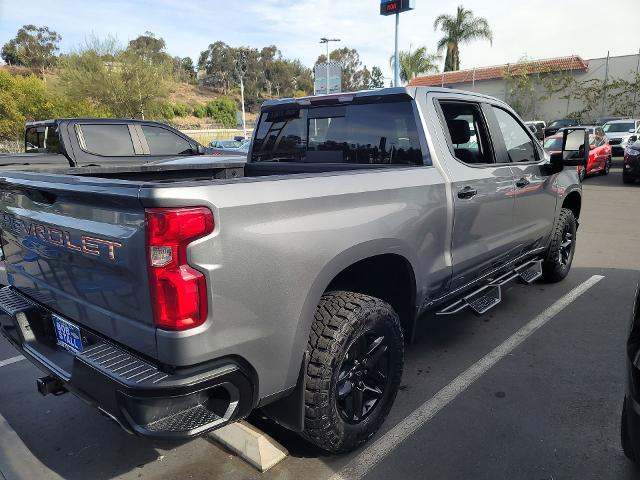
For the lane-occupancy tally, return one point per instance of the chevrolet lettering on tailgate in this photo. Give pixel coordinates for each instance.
(57, 236)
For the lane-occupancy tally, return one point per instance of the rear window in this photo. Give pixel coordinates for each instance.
(380, 133)
(44, 139)
(106, 140)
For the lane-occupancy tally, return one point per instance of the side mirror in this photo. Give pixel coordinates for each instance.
(199, 150)
(575, 148)
(631, 130)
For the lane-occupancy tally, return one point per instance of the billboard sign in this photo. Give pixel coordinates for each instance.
(320, 78)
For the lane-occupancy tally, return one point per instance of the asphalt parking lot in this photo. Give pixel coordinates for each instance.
(549, 409)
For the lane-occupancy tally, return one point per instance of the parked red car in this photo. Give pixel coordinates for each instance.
(599, 157)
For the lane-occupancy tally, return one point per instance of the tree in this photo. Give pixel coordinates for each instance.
(354, 75)
(121, 82)
(463, 27)
(415, 63)
(377, 79)
(265, 72)
(33, 47)
(148, 48)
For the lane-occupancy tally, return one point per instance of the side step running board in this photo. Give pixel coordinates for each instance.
(489, 295)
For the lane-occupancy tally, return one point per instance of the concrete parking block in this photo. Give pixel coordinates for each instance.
(16, 460)
(250, 444)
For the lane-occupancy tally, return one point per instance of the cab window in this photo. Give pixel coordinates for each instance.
(467, 135)
(109, 140)
(520, 146)
(164, 142)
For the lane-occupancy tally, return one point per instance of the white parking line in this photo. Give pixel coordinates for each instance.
(370, 456)
(9, 361)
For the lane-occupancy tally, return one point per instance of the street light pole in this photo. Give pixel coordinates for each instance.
(327, 41)
(396, 56)
(241, 67)
(244, 117)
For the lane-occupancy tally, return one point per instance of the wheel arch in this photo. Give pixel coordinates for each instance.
(372, 257)
(573, 201)
(350, 270)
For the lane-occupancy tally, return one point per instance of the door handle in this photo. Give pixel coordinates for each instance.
(523, 182)
(467, 192)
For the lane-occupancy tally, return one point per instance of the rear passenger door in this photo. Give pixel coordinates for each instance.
(482, 193)
(535, 198)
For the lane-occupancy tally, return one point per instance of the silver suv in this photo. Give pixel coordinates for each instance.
(618, 132)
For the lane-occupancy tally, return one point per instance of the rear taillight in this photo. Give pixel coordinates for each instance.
(178, 291)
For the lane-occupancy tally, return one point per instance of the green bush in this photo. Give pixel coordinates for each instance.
(223, 111)
(26, 98)
(200, 111)
(163, 111)
(181, 110)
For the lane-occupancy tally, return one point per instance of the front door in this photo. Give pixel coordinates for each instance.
(535, 195)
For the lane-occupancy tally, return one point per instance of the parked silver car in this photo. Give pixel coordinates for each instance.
(618, 132)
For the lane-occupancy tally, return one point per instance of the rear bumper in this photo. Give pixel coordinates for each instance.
(142, 397)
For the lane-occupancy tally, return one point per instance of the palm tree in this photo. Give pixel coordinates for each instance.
(413, 64)
(461, 28)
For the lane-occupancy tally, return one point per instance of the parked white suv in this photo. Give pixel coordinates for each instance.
(618, 132)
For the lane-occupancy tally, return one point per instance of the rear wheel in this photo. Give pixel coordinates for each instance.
(557, 263)
(356, 356)
(607, 167)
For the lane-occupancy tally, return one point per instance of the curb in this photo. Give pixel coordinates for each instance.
(16, 460)
(252, 445)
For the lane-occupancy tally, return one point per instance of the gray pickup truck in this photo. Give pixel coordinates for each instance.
(177, 300)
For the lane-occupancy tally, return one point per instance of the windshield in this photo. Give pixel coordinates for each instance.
(618, 127)
(380, 133)
(553, 144)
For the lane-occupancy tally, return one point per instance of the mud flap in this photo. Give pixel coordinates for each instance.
(289, 411)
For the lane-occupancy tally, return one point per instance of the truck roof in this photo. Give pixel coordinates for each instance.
(54, 121)
(377, 92)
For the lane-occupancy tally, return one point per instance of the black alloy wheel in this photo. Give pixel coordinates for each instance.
(566, 247)
(364, 377)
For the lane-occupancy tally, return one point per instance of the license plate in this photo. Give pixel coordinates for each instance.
(68, 334)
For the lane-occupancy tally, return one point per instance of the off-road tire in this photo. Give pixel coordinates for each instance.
(340, 319)
(625, 436)
(552, 268)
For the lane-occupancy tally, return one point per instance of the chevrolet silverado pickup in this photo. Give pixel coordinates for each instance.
(177, 299)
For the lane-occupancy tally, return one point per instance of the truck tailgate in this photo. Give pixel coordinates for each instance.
(77, 245)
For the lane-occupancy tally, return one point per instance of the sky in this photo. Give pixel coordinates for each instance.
(533, 29)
